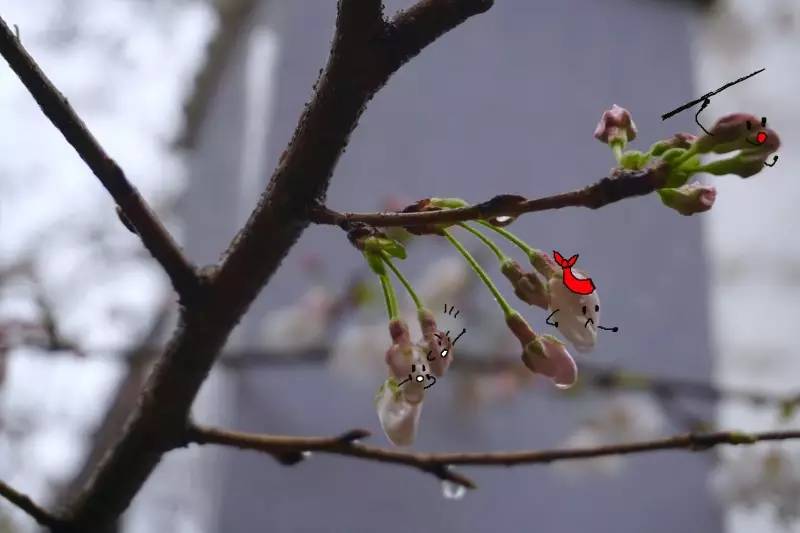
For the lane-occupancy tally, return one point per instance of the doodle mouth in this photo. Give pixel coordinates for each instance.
(586, 325)
(754, 143)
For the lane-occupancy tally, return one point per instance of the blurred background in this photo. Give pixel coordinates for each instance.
(196, 99)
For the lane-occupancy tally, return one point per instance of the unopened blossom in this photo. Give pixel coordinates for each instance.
(436, 345)
(399, 418)
(298, 327)
(616, 125)
(404, 361)
(689, 199)
(528, 286)
(577, 315)
(739, 131)
(548, 356)
(544, 354)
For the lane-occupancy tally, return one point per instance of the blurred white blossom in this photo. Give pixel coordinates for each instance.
(299, 327)
(621, 418)
(443, 282)
(761, 476)
(358, 350)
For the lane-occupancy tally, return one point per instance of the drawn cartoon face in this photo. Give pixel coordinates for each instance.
(577, 316)
(761, 136)
(421, 377)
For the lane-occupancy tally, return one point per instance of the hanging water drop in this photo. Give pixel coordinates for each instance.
(502, 219)
(453, 491)
(306, 454)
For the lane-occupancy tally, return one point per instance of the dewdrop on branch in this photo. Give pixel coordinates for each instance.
(452, 490)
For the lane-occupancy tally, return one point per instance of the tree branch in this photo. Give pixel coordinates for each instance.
(360, 63)
(132, 207)
(439, 464)
(624, 184)
(29, 506)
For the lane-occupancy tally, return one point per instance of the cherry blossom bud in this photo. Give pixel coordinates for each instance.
(731, 133)
(543, 263)
(400, 354)
(436, 344)
(527, 285)
(616, 125)
(399, 419)
(577, 315)
(689, 199)
(548, 356)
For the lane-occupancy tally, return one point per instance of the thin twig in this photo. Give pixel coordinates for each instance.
(132, 207)
(624, 184)
(439, 464)
(25, 503)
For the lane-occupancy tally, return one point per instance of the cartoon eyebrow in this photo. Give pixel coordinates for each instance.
(547, 320)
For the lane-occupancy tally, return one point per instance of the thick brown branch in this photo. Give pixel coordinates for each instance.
(131, 204)
(625, 184)
(439, 464)
(359, 64)
(29, 506)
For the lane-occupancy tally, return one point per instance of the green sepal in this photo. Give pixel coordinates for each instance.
(375, 262)
(390, 382)
(449, 203)
(376, 245)
(634, 160)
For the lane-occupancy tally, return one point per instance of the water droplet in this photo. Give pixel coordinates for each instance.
(502, 219)
(306, 454)
(453, 491)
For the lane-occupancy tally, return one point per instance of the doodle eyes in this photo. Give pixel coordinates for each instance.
(596, 309)
(414, 369)
(750, 125)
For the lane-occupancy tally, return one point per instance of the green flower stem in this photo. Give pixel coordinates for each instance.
(389, 296)
(387, 259)
(616, 149)
(488, 242)
(510, 236)
(507, 309)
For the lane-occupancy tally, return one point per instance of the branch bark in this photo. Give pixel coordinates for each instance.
(365, 52)
(625, 184)
(25, 503)
(440, 464)
(132, 207)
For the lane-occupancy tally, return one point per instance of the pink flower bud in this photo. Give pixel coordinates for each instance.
(400, 354)
(731, 133)
(577, 314)
(616, 124)
(436, 344)
(689, 199)
(548, 356)
(527, 285)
